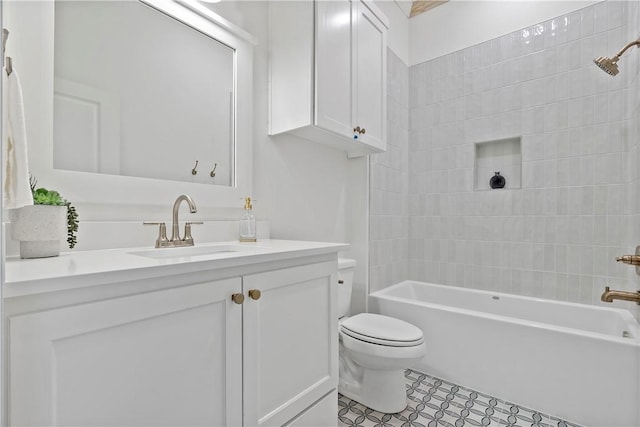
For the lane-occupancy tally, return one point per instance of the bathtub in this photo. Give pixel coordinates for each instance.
(574, 361)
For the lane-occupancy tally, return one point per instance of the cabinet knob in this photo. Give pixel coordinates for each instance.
(255, 294)
(237, 298)
(356, 129)
(362, 131)
(340, 282)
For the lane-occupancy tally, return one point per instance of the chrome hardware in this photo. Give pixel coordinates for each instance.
(255, 294)
(194, 171)
(162, 240)
(631, 260)
(237, 298)
(212, 174)
(608, 295)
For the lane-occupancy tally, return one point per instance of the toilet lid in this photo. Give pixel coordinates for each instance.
(383, 330)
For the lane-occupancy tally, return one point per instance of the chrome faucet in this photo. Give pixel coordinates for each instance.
(609, 295)
(176, 240)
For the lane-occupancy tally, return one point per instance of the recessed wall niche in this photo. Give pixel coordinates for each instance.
(503, 156)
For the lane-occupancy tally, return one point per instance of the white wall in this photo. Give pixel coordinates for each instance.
(306, 191)
(462, 23)
(301, 187)
(398, 35)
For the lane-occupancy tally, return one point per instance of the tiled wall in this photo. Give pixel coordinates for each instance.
(389, 178)
(556, 237)
(632, 66)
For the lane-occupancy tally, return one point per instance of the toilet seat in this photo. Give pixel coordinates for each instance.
(382, 330)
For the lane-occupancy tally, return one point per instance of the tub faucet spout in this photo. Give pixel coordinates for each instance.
(609, 295)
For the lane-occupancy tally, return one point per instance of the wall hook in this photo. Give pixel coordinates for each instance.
(194, 171)
(7, 60)
(5, 36)
(213, 171)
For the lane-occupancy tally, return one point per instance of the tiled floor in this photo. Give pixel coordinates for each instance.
(435, 402)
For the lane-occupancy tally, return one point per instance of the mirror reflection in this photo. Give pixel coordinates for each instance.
(138, 93)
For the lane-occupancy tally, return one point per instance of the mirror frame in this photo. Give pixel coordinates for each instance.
(144, 195)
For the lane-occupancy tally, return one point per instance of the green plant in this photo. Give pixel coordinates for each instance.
(42, 196)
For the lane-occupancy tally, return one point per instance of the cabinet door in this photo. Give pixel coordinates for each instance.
(370, 77)
(163, 358)
(333, 89)
(290, 342)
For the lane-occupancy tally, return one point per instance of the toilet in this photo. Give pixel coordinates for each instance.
(374, 350)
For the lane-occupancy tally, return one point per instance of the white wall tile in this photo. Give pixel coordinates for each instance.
(557, 235)
(559, 232)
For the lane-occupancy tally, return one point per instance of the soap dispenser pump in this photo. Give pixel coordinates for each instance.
(247, 223)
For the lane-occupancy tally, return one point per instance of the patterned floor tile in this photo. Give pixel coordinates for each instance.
(434, 402)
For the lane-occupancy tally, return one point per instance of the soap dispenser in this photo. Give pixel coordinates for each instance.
(247, 223)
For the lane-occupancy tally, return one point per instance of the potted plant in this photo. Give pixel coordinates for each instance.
(41, 227)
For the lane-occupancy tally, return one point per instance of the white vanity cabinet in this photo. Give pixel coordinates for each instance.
(168, 357)
(329, 85)
(253, 345)
(289, 343)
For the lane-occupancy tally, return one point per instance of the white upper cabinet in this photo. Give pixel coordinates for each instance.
(370, 76)
(329, 86)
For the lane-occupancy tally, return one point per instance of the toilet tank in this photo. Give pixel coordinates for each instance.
(345, 285)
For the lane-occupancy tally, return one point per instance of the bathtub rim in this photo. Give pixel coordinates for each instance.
(633, 341)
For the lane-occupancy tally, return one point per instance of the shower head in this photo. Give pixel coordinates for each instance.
(610, 65)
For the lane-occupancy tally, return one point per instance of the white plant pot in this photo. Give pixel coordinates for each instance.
(40, 229)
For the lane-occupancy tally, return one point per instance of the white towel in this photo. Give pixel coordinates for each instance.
(17, 191)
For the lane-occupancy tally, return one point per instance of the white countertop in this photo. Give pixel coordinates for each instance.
(76, 269)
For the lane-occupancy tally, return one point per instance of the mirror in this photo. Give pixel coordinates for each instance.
(106, 195)
(139, 93)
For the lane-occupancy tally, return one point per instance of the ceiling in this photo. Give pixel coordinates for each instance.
(413, 8)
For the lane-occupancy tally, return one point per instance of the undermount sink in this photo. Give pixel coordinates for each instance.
(187, 251)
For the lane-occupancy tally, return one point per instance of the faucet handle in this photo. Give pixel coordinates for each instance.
(162, 240)
(188, 238)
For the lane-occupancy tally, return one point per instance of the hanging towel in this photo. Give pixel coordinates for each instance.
(17, 191)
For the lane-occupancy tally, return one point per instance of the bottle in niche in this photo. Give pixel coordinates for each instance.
(247, 223)
(497, 181)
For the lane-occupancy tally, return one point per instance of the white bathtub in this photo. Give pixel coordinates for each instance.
(567, 360)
